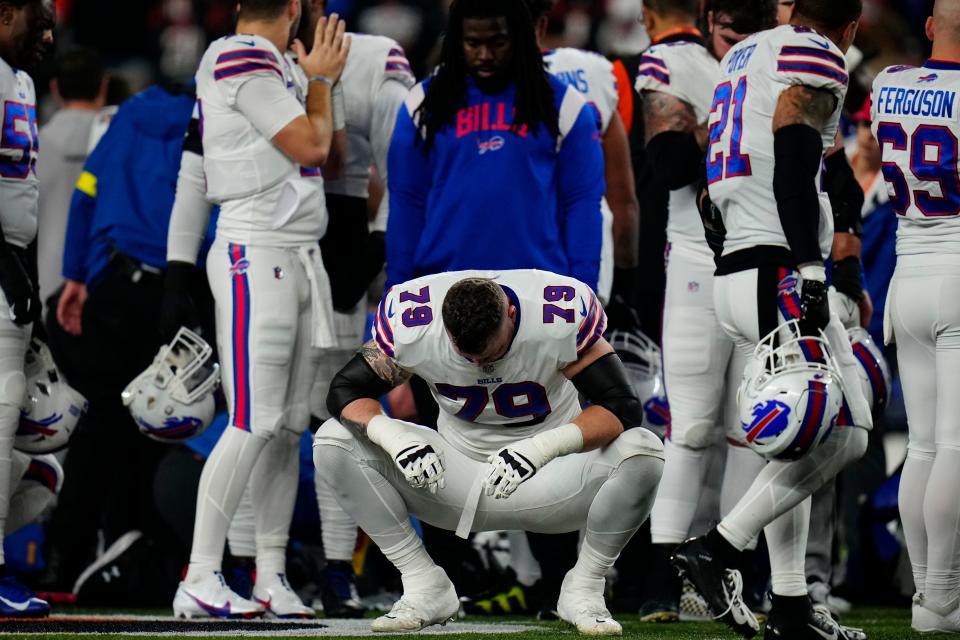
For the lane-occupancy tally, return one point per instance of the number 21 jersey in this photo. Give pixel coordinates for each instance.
(916, 121)
(483, 408)
(740, 158)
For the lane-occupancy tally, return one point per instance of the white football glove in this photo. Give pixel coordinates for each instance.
(420, 464)
(514, 464)
(845, 307)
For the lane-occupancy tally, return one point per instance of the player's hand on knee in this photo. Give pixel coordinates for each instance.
(422, 466)
(510, 467)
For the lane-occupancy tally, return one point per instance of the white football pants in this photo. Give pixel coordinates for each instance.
(14, 339)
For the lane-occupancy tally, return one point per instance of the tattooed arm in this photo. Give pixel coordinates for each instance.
(675, 140)
(801, 104)
(355, 389)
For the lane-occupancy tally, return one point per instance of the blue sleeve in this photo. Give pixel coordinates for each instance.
(83, 206)
(580, 174)
(408, 169)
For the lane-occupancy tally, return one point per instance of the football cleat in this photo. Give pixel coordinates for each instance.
(339, 594)
(581, 604)
(427, 600)
(924, 620)
(660, 611)
(278, 599)
(210, 597)
(16, 601)
(817, 625)
(721, 587)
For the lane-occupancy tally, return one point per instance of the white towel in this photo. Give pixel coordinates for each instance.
(324, 334)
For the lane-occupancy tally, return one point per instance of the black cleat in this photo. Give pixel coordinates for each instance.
(817, 624)
(339, 593)
(720, 586)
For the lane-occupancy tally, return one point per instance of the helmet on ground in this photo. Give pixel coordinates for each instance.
(172, 400)
(641, 358)
(51, 408)
(790, 394)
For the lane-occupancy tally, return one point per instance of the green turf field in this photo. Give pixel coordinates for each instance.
(880, 624)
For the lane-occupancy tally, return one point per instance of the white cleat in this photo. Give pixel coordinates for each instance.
(210, 597)
(427, 600)
(923, 620)
(279, 600)
(581, 604)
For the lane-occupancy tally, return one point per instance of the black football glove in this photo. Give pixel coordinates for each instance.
(21, 292)
(814, 309)
(179, 308)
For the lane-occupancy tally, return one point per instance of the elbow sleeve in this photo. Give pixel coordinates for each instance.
(605, 384)
(798, 151)
(355, 381)
(674, 157)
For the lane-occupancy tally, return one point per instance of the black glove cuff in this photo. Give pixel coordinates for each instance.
(847, 277)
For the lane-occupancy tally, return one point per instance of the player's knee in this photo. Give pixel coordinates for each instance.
(13, 385)
(298, 418)
(331, 443)
(698, 436)
(633, 443)
(856, 444)
(925, 451)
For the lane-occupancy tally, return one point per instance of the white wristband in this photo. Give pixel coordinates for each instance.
(816, 272)
(378, 429)
(561, 441)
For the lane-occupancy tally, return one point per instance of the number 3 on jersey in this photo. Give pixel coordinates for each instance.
(724, 160)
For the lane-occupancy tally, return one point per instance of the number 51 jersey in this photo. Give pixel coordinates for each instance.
(485, 408)
(740, 158)
(916, 121)
(19, 188)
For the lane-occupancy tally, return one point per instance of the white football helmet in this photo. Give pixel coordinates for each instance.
(172, 400)
(641, 358)
(51, 408)
(790, 394)
(874, 371)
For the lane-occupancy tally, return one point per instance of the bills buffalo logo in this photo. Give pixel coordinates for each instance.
(174, 427)
(928, 78)
(493, 144)
(239, 267)
(41, 427)
(788, 285)
(770, 419)
(657, 410)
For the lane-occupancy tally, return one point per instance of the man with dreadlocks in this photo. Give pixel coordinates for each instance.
(494, 164)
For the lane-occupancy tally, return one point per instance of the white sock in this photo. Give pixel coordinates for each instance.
(338, 529)
(678, 494)
(224, 478)
(242, 534)
(593, 564)
(787, 542)
(941, 513)
(273, 491)
(913, 487)
(780, 486)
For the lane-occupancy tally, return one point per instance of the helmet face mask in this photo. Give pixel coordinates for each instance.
(641, 359)
(172, 400)
(790, 395)
(51, 408)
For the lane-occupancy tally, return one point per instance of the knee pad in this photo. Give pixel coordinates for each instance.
(856, 444)
(699, 436)
(297, 418)
(13, 385)
(637, 442)
(331, 437)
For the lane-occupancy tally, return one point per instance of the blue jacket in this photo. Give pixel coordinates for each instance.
(487, 198)
(125, 194)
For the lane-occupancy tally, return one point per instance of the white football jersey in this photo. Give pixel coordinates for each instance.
(485, 408)
(589, 73)
(265, 196)
(740, 157)
(916, 120)
(19, 188)
(687, 71)
(373, 61)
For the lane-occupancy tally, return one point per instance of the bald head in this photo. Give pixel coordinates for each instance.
(944, 25)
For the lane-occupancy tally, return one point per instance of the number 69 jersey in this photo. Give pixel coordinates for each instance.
(740, 157)
(485, 408)
(916, 120)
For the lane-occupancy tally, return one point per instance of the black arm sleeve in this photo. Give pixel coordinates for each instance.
(355, 381)
(846, 195)
(193, 141)
(605, 384)
(675, 158)
(797, 152)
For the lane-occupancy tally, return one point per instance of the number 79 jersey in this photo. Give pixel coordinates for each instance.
(740, 158)
(916, 120)
(485, 408)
